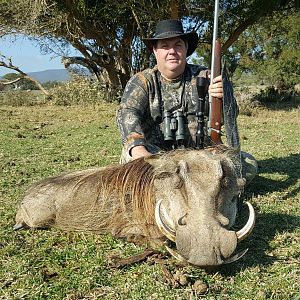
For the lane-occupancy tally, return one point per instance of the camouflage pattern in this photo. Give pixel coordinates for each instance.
(146, 96)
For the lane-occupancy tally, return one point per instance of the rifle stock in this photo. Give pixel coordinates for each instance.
(215, 114)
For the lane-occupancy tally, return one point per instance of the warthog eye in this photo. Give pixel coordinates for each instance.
(178, 182)
(163, 175)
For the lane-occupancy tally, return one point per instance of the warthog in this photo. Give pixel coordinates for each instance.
(184, 196)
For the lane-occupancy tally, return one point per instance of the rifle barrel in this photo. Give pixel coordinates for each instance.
(215, 36)
(215, 105)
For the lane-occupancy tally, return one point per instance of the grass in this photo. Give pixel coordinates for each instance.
(44, 140)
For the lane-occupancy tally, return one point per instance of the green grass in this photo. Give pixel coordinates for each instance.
(44, 140)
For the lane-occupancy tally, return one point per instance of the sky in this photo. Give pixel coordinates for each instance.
(26, 56)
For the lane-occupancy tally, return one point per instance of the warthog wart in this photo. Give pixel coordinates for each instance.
(184, 196)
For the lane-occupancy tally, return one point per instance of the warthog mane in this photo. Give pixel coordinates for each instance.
(110, 199)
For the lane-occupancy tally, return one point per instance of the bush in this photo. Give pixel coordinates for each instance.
(246, 101)
(251, 98)
(52, 84)
(22, 98)
(272, 95)
(80, 90)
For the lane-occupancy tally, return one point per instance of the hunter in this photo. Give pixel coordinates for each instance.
(157, 109)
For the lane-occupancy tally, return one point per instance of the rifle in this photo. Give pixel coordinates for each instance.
(215, 104)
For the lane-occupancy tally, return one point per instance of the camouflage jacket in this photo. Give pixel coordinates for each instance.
(147, 95)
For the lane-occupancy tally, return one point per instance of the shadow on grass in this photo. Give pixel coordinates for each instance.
(282, 103)
(268, 225)
(288, 166)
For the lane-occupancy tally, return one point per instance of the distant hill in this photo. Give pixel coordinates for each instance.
(50, 75)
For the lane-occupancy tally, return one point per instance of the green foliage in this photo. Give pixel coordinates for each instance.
(271, 50)
(26, 84)
(22, 98)
(23, 85)
(80, 90)
(52, 84)
(11, 76)
(271, 94)
(251, 99)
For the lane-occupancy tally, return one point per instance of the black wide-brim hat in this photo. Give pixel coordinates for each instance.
(167, 29)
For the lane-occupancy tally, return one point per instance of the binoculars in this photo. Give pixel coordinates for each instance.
(175, 122)
(174, 128)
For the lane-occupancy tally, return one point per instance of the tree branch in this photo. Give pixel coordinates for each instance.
(10, 82)
(9, 65)
(87, 63)
(237, 32)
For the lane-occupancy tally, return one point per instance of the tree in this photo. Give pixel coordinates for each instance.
(108, 33)
(272, 50)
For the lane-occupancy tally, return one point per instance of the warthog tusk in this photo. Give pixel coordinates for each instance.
(246, 230)
(176, 255)
(234, 257)
(165, 230)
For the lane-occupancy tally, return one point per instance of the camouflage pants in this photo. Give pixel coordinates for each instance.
(249, 163)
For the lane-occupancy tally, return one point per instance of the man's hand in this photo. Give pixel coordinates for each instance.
(216, 88)
(139, 151)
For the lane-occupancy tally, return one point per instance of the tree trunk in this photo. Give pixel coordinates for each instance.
(174, 7)
(113, 85)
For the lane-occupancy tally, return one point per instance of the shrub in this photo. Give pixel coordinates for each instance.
(22, 98)
(80, 90)
(272, 95)
(246, 101)
(52, 84)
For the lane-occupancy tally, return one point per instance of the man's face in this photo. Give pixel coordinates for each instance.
(171, 57)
